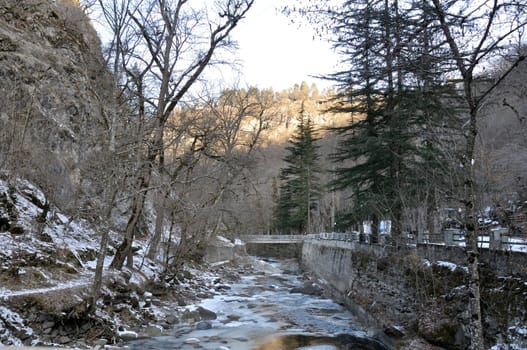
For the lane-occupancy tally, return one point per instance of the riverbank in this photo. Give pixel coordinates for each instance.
(132, 305)
(238, 305)
(46, 275)
(420, 298)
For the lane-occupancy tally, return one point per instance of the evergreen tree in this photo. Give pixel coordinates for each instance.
(367, 95)
(300, 182)
(388, 91)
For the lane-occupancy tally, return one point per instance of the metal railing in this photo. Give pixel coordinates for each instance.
(272, 238)
(498, 239)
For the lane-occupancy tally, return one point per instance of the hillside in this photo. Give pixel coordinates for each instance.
(56, 95)
(46, 278)
(55, 89)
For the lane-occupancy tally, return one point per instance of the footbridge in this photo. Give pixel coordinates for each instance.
(287, 246)
(284, 239)
(276, 239)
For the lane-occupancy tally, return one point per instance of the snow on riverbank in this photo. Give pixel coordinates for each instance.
(13, 323)
(51, 262)
(48, 264)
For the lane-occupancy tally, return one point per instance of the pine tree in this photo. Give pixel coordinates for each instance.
(368, 93)
(300, 183)
(395, 99)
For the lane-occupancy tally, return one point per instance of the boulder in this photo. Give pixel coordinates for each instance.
(192, 341)
(308, 289)
(203, 325)
(171, 319)
(206, 314)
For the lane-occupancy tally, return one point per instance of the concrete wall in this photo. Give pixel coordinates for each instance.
(339, 265)
(502, 261)
(392, 289)
(333, 260)
(276, 250)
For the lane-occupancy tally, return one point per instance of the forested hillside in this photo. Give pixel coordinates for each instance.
(238, 142)
(147, 155)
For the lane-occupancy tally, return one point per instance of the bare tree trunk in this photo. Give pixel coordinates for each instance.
(124, 250)
(466, 63)
(431, 211)
(175, 58)
(160, 219)
(101, 256)
(471, 227)
(99, 269)
(374, 230)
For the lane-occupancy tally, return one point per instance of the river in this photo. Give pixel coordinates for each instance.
(259, 312)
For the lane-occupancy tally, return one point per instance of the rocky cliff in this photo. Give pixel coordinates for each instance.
(54, 89)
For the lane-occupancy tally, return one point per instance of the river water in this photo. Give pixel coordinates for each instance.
(260, 313)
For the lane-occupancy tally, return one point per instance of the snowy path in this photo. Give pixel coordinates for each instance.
(80, 282)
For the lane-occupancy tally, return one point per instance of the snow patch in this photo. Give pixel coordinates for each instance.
(127, 334)
(220, 263)
(516, 339)
(226, 242)
(11, 322)
(451, 266)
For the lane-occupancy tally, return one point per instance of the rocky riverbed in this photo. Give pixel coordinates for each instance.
(46, 281)
(245, 304)
(265, 305)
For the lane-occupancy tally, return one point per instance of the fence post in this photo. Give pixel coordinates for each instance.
(449, 236)
(505, 240)
(423, 237)
(499, 238)
(495, 239)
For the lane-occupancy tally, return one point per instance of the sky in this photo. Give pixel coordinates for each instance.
(276, 53)
(272, 51)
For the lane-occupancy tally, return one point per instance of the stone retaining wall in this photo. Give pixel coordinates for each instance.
(410, 293)
(502, 261)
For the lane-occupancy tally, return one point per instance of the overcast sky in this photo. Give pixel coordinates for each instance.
(276, 53)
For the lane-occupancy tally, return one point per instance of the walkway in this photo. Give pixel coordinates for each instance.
(298, 238)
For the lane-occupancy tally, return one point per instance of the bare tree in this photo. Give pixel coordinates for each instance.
(474, 32)
(172, 44)
(229, 134)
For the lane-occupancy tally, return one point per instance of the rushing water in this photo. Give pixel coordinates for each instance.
(260, 313)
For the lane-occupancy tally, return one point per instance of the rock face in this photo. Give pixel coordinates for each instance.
(54, 93)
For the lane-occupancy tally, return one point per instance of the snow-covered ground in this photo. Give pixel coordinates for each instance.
(50, 257)
(68, 245)
(56, 258)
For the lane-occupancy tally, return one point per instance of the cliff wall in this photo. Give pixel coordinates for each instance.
(55, 93)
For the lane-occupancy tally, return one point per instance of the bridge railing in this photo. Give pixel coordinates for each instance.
(272, 238)
(496, 240)
(333, 236)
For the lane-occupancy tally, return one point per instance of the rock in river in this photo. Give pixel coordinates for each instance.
(203, 325)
